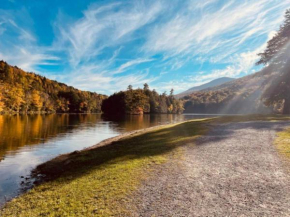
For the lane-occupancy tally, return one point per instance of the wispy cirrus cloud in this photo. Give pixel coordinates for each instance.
(18, 45)
(103, 27)
(104, 82)
(216, 28)
(131, 63)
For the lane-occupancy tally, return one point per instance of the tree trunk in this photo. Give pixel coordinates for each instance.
(286, 109)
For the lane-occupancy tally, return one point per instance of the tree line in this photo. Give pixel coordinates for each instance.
(241, 96)
(141, 101)
(25, 92)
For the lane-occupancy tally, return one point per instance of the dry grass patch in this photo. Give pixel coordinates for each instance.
(282, 143)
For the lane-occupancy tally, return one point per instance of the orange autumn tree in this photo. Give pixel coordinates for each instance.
(14, 98)
(36, 100)
(1, 99)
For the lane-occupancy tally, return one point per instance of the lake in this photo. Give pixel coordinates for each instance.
(29, 140)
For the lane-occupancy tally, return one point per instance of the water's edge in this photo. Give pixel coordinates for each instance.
(36, 178)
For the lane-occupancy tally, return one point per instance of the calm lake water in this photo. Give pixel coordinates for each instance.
(29, 140)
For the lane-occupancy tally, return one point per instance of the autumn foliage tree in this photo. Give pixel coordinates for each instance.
(141, 101)
(27, 92)
(1, 98)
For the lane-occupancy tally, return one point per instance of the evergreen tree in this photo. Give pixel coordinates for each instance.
(277, 51)
(146, 87)
(277, 59)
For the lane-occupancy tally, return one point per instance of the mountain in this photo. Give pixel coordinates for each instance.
(210, 84)
(27, 92)
(240, 96)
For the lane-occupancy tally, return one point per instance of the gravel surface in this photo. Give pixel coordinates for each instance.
(232, 171)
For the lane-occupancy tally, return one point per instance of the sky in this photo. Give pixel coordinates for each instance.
(104, 45)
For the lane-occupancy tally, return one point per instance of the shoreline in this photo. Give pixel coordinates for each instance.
(40, 174)
(65, 159)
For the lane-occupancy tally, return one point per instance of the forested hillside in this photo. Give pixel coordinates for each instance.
(241, 96)
(141, 101)
(208, 85)
(21, 91)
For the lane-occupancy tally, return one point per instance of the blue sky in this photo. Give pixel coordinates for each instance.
(104, 46)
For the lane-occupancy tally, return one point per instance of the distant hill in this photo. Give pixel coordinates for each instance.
(210, 84)
(27, 92)
(240, 96)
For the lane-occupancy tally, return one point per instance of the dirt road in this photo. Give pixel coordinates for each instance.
(232, 171)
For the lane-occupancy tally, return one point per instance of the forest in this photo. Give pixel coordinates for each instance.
(141, 101)
(241, 96)
(23, 92)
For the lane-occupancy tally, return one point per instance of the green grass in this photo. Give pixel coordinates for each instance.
(98, 182)
(246, 118)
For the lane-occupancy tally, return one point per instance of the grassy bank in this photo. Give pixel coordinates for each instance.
(98, 181)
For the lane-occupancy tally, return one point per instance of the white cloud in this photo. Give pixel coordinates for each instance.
(129, 64)
(102, 27)
(177, 86)
(201, 4)
(241, 64)
(18, 46)
(104, 82)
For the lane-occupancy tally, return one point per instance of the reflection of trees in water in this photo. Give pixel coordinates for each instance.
(17, 131)
(135, 122)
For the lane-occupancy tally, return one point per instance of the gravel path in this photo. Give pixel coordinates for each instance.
(232, 171)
